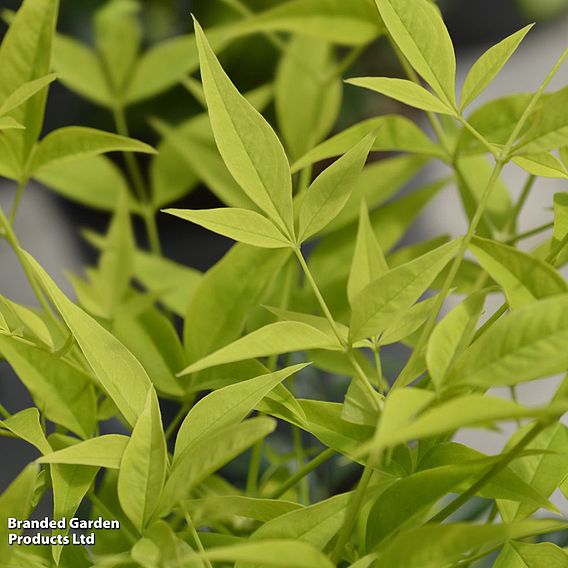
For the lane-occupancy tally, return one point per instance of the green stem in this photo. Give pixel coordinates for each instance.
(405, 376)
(195, 534)
(254, 469)
(354, 508)
(17, 201)
(485, 479)
(4, 412)
(529, 234)
(310, 466)
(181, 414)
(366, 383)
(512, 224)
(140, 189)
(301, 461)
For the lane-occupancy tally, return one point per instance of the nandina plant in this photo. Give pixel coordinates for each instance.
(313, 295)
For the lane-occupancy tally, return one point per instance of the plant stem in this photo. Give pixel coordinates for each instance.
(512, 224)
(254, 469)
(529, 234)
(310, 466)
(17, 201)
(195, 534)
(495, 470)
(301, 461)
(354, 507)
(181, 414)
(4, 412)
(141, 191)
(367, 385)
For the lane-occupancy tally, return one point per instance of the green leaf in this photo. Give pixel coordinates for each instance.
(250, 148)
(210, 453)
(93, 181)
(548, 126)
(26, 426)
(385, 299)
(227, 506)
(307, 105)
(524, 345)
(560, 222)
(120, 374)
(153, 340)
(73, 142)
(414, 549)
(542, 165)
(464, 411)
(544, 472)
(104, 451)
(116, 264)
(118, 31)
(272, 339)
(525, 555)
(143, 466)
(404, 502)
(368, 260)
(419, 32)
(63, 392)
(405, 91)
(331, 20)
(489, 65)
(25, 56)
(218, 308)
(329, 193)
(452, 336)
(270, 554)
(24, 93)
(359, 407)
(8, 123)
(394, 133)
(16, 502)
(80, 70)
(239, 224)
(226, 406)
(524, 279)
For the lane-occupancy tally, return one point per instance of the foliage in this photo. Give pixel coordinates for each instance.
(317, 285)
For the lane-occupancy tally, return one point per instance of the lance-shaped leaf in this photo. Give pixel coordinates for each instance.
(368, 260)
(307, 105)
(73, 142)
(143, 466)
(452, 336)
(93, 181)
(118, 31)
(406, 92)
(227, 406)
(272, 339)
(419, 32)
(544, 471)
(548, 127)
(464, 411)
(250, 148)
(394, 133)
(210, 453)
(524, 279)
(118, 371)
(382, 301)
(25, 56)
(24, 93)
(527, 344)
(26, 426)
(329, 193)
(8, 123)
(80, 69)
(438, 545)
(16, 502)
(355, 23)
(217, 310)
(489, 65)
(403, 502)
(104, 451)
(276, 553)
(241, 225)
(64, 392)
(542, 165)
(526, 555)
